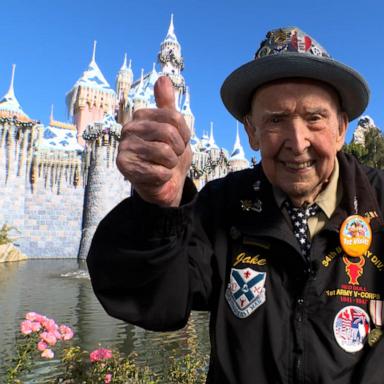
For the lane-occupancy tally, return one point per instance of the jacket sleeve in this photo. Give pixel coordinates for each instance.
(151, 265)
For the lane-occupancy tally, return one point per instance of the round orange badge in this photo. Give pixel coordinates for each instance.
(355, 235)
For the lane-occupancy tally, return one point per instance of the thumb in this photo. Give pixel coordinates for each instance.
(164, 93)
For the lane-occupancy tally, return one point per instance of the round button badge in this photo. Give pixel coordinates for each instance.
(351, 327)
(355, 235)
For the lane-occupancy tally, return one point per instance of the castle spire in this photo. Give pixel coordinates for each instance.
(51, 116)
(11, 91)
(153, 76)
(139, 98)
(94, 52)
(124, 66)
(237, 140)
(187, 112)
(238, 151)
(9, 106)
(171, 31)
(211, 139)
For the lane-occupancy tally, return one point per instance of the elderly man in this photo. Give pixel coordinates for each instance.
(287, 257)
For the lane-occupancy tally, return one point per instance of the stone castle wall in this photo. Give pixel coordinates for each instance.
(52, 220)
(56, 199)
(39, 197)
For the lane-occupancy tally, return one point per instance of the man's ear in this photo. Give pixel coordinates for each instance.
(252, 133)
(343, 125)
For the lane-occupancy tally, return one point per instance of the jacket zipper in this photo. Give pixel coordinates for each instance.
(299, 318)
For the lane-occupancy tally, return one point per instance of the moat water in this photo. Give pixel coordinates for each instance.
(61, 289)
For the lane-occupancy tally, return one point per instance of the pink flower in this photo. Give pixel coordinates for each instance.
(26, 327)
(48, 354)
(100, 354)
(42, 345)
(108, 378)
(66, 332)
(50, 325)
(33, 316)
(35, 326)
(57, 334)
(48, 337)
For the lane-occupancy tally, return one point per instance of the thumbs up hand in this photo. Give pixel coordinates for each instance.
(154, 152)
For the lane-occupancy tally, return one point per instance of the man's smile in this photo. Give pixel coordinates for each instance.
(298, 165)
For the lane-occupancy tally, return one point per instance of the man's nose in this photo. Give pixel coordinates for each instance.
(297, 139)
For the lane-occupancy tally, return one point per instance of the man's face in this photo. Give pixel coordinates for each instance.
(298, 128)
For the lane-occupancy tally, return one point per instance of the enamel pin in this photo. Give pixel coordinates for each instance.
(355, 235)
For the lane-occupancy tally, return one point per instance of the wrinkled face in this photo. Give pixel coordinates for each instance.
(298, 127)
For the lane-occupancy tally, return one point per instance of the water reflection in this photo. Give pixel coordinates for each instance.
(59, 290)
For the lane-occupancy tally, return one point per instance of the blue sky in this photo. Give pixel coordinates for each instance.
(51, 44)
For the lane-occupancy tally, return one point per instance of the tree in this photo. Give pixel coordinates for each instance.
(372, 152)
(374, 147)
(355, 149)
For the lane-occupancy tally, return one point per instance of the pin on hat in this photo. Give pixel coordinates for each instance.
(291, 53)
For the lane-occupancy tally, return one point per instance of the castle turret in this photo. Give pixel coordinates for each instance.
(171, 61)
(187, 112)
(238, 160)
(124, 80)
(9, 106)
(90, 98)
(106, 186)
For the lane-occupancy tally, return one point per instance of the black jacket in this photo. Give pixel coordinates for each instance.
(151, 266)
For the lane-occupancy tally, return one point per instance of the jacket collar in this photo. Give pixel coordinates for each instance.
(260, 215)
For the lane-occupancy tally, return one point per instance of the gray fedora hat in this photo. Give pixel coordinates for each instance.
(291, 53)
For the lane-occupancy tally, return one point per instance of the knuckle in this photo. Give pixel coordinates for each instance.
(141, 114)
(163, 174)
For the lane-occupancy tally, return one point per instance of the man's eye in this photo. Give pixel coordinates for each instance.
(314, 118)
(276, 119)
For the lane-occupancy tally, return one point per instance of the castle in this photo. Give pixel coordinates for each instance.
(58, 181)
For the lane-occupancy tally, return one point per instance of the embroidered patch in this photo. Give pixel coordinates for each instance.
(245, 292)
(351, 327)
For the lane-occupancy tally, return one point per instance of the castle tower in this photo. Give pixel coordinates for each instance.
(90, 98)
(106, 186)
(238, 160)
(171, 61)
(9, 106)
(187, 113)
(124, 80)
(217, 160)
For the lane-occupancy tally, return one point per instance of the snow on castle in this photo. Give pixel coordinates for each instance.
(58, 181)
